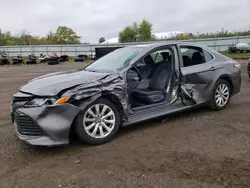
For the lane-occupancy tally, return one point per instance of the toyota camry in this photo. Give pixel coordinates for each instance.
(129, 85)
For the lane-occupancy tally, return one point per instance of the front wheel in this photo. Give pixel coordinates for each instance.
(221, 95)
(98, 123)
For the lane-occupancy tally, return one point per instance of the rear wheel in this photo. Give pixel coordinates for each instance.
(98, 123)
(221, 95)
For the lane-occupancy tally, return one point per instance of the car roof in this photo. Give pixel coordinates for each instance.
(160, 44)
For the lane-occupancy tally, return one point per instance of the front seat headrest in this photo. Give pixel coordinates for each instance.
(149, 60)
(197, 56)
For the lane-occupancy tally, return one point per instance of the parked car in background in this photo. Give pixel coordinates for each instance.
(239, 48)
(4, 60)
(18, 60)
(43, 58)
(53, 59)
(64, 57)
(32, 59)
(81, 58)
(127, 86)
(243, 47)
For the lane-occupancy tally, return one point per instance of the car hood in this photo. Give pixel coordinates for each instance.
(52, 84)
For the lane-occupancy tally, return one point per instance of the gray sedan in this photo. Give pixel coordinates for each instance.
(127, 86)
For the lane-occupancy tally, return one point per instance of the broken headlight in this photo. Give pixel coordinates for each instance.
(41, 102)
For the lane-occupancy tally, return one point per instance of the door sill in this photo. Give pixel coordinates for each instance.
(147, 114)
(165, 103)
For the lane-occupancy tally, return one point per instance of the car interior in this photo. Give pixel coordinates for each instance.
(192, 56)
(149, 79)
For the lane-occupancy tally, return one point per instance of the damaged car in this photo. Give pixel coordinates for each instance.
(129, 85)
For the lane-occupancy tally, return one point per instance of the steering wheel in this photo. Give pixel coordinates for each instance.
(138, 72)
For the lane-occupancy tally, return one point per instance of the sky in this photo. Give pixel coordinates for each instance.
(92, 19)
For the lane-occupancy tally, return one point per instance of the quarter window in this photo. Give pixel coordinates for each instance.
(208, 56)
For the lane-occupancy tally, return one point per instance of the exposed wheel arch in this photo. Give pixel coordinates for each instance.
(229, 80)
(98, 122)
(105, 95)
(218, 92)
(115, 100)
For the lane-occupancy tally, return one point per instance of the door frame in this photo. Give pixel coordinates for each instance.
(175, 73)
(182, 81)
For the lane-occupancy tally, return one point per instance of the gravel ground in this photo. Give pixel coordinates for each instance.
(200, 148)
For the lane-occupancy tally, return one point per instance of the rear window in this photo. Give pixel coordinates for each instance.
(192, 55)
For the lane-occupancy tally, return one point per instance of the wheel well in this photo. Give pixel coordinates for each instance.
(107, 96)
(115, 100)
(226, 78)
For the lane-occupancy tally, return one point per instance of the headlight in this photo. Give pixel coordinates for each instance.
(41, 102)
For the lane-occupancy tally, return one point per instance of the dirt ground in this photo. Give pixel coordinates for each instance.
(201, 148)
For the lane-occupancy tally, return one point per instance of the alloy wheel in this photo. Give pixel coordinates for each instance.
(99, 121)
(222, 95)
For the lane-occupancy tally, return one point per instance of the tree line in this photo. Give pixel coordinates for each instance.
(136, 32)
(143, 32)
(63, 35)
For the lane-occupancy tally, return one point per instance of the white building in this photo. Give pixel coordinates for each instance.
(163, 35)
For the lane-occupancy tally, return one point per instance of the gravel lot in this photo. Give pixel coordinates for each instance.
(201, 148)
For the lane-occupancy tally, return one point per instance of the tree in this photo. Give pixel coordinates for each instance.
(127, 35)
(101, 40)
(65, 35)
(135, 27)
(50, 36)
(133, 33)
(145, 31)
(2, 41)
(6, 38)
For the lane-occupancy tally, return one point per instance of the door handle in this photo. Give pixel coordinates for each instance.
(212, 68)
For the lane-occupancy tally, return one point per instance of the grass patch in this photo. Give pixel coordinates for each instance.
(237, 55)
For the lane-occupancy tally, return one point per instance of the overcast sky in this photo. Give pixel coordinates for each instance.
(92, 19)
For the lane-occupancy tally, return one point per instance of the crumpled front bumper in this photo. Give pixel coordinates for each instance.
(53, 121)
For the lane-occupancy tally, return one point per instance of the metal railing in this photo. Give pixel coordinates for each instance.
(218, 44)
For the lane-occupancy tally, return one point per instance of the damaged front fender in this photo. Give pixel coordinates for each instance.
(112, 84)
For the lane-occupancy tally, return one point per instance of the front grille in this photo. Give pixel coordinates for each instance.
(25, 125)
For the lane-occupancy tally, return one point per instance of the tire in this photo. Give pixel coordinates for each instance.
(96, 124)
(53, 62)
(215, 102)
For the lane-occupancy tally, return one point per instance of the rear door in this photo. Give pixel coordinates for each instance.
(197, 70)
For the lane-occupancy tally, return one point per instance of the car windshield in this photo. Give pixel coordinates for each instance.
(115, 61)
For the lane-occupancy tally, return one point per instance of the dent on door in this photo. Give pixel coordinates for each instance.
(194, 86)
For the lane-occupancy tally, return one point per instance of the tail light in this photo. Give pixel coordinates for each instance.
(237, 65)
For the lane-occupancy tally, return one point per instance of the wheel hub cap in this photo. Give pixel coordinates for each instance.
(222, 95)
(99, 121)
